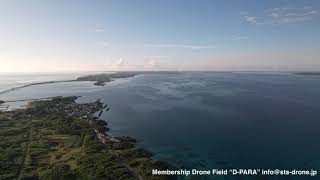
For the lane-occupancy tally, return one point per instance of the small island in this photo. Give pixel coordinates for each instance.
(308, 73)
(101, 79)
(62, 139)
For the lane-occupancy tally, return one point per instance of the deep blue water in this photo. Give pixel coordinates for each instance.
(212, 120)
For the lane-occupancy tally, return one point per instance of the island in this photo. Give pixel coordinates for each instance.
(61, 139)
(101, 79)
(308, 73)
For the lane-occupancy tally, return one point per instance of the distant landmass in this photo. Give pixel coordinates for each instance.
(308, 73)
(101, 79)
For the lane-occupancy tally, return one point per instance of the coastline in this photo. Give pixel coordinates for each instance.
(62, 135)
(98, 79)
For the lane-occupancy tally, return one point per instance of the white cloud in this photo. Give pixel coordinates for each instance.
(195, 47)
(282, 15)
(157, 63)
(240, 37)
(148, 63)
(156, 57)
(99, 30)
(154, 62)
(116, 64)
(151, 63)
(250, 19)
(311, 12)
(103, 43)
(275, 15)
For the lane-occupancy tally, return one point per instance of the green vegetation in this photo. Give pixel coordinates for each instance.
(101, 79)
(56, 140)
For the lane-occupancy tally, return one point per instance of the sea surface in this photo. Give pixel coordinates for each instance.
(203, 120)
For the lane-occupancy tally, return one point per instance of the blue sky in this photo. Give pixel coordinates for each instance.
(92, 35)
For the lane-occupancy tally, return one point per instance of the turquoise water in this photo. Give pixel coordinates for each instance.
(211, 120)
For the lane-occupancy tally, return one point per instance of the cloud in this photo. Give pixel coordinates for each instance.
(240, 37)
(99, 30)
(148, 63)
(119, 63)
(275, 15)
(156, 63)
(116, 64)
(311, 12)
(282, 15)
(102, 43)
(157, 57)
(151, 63)
(250, 19)
(195, 47)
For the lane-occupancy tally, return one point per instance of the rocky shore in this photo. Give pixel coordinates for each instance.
(62, 139)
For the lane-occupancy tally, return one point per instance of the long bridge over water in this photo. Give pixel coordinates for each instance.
(33, 84)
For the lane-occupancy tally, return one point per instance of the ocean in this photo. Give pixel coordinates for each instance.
(203, 120)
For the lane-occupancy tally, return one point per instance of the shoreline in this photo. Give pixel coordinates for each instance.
(70, 128)
(98, 79)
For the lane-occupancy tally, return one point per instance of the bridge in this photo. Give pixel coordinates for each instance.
(33, 84)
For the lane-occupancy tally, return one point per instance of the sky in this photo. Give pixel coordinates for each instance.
(121, 35)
